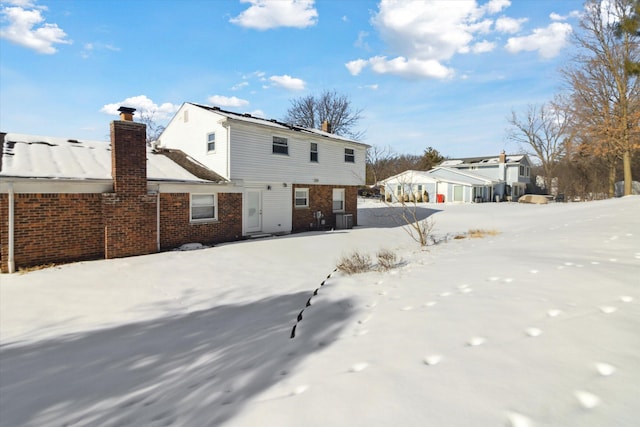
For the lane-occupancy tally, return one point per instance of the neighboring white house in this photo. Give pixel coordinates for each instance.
(438, 185)
(476, 179)
(511, 172)
(293, 178)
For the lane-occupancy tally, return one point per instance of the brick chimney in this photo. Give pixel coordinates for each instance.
(326, 126)
(128, 154)
(129, 213)
(503, 157)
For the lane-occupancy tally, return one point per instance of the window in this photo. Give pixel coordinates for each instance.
(211, 142)
(203, 207)
(338, 199)
(524, 170)
(314, 152)
(280, 145)
(349, 155)
(302, 198)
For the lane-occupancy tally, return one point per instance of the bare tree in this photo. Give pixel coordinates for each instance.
(153, 128)
(310, 111)
(542, 133)
(602, 84)
(378, 163)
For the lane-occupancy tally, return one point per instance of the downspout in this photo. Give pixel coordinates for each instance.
(228, 152)
(11, 262)
(158, 217)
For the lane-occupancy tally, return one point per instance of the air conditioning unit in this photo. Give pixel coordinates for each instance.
(344, 221)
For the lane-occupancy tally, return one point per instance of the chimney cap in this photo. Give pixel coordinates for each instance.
(126, 110)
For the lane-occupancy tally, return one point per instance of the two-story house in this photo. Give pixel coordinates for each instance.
(473, 179)
(292, 178)
(512, 173)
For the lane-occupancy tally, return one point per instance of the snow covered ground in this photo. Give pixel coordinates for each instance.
(535, 326)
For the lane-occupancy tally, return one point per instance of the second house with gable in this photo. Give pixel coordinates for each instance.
(293, 178)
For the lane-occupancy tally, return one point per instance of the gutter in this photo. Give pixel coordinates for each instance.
(11, 261)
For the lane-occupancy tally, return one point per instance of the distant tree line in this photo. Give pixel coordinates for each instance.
(588, 137)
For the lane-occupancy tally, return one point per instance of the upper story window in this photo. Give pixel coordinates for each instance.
(203, 207)
(211, 142)
(313, 152)
(524, 170)
(280, 145)
(349, 155)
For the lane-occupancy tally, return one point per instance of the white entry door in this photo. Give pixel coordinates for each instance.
(254, 211)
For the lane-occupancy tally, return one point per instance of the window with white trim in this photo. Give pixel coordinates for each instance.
(301, 198)
(338, 199)
(313, 152)
(211, 142)
(280, 145)
(203, 207)
(349, 155)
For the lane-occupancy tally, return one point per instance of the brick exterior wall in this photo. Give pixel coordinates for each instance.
(52, 228)
(321, 199)
(60, 227)
(129, 213)
(177, 229)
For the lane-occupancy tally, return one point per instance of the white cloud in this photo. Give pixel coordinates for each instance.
(257, 113)
(547, 41)
(361, 41)
(557, 17)
(483, 47)
(504, 24)
(89, 48)
(240, 86)
(495, 6)
(422, 35)
(23, 3)
(268, 14)
(412, 67)
(355, 67)
(27, 28)
(287, 82)
(225, 101)
(143, 105)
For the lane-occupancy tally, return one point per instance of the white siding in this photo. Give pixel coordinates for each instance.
(252, 158)
(276, 206)
(191, 137)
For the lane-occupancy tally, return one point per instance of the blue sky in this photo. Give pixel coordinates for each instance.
(425, 73)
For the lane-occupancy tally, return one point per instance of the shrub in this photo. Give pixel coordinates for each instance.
(479, 233)
(386, 259)
(355, 263)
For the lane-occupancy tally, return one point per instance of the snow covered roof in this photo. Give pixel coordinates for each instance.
(246, 117)
(486, 160)
(457, 176)
(409, 177)
(32, 156)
